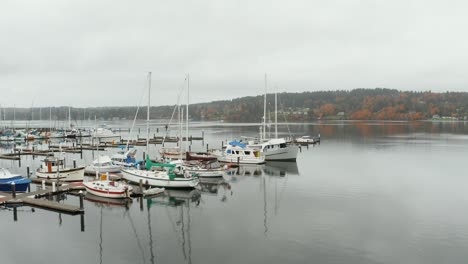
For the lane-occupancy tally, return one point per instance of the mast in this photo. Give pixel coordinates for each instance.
(50, 121)
(148, 114)
(264, 109)
(276, 115)
(69, 117)
(186, 114)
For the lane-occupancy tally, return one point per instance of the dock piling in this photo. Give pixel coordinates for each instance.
(43, 184)
(74, 163)
(206, 147)
(27, 172)
(13, 190)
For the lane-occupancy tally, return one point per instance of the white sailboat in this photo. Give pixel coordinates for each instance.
(274, 149)
(107, 188)
(158, 174)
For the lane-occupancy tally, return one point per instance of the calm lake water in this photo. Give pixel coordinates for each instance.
(370, 193)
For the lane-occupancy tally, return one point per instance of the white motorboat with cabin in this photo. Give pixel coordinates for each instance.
(276, 149)
(102, 164)
(53, 168)
(236, 151)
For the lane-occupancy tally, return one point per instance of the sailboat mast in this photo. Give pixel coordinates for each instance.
(186, 114)
(50, 121)
(148, 114)
(69, 117)
(276, 115)
(264, 109)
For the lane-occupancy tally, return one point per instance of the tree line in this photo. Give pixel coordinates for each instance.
(357, 104)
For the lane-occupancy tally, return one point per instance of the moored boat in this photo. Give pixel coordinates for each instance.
(102, 164)
(162, 175)
(107, 188)
(53, 168)
(241, 153)
(7, 179)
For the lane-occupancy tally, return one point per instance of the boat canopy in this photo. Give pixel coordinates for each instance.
(238, 144)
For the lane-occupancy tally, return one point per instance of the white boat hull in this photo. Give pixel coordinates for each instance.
(242, 159)
(75, 174)
(91, 169)
(116, 192)
(160, 179)
(283, 154)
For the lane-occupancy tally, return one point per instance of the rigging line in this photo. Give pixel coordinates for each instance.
(136, 114)
(181, 90)
(286, 121)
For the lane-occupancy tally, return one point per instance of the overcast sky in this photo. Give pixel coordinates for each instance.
(98, 53)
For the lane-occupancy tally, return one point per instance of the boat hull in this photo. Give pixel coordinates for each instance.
(158, 179)
(102, 169)
(21, 184)
(75, 174)
(107, 192)
(283, 154)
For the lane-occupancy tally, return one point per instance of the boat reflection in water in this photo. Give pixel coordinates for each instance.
(180, 200)
(107, 202)
(211, 186)
(271, 168)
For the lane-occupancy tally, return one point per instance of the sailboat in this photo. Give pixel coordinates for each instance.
(107, 188)
(158, 174)
(273, 149)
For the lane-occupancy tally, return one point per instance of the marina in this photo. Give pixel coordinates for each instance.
(267, 195)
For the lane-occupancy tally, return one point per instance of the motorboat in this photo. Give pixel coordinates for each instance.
(53, 168)
(7, 179)
(102, 164)
(237, 152)
(276, 149)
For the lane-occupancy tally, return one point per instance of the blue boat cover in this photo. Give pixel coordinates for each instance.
(237, 143)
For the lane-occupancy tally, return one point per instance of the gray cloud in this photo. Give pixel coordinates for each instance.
(88, 53)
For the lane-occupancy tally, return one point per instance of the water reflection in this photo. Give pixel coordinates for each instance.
(280, 169)
(181, 200)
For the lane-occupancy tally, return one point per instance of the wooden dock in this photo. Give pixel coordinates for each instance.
(32, 199)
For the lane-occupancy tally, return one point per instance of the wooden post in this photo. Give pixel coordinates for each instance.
(53, 186)
(141, 186)
(27, 172)
(238, 161)
(147, 184)
(141, 203)
(74, 163)
(222, 144)
(190, 148)
(33, 156)
(206, 147)
(13, 190)
(144, 155)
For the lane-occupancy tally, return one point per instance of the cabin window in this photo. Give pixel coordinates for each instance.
(247, 152)
(237, 152)
(228, 151)
(283, 145)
